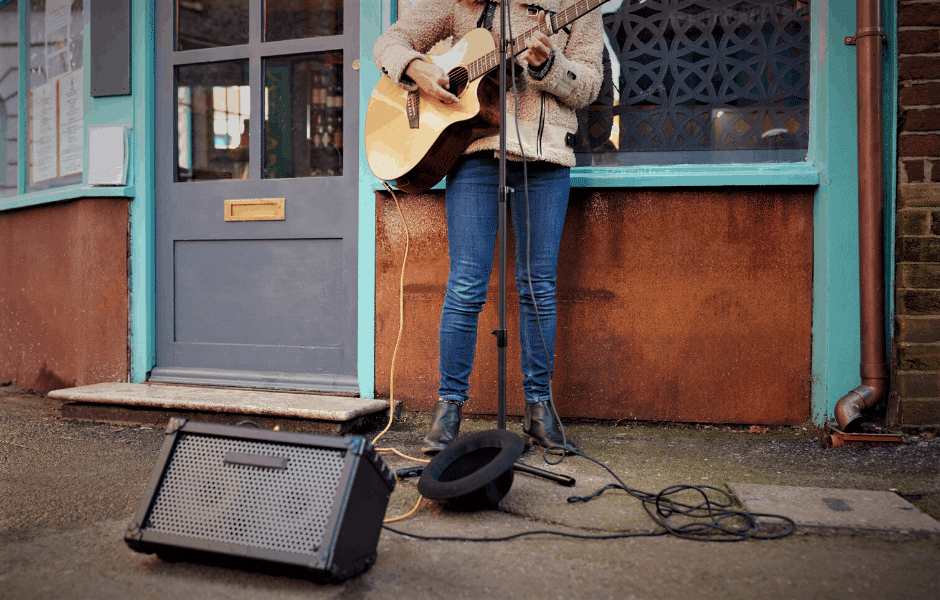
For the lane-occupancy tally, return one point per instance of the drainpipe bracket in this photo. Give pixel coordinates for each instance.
(851, 40)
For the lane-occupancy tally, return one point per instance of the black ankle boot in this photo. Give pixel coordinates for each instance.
(445, 423)
(539, 424)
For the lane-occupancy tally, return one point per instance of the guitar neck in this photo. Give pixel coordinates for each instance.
(490, 61)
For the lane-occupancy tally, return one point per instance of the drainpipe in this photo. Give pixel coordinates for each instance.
(868, 40)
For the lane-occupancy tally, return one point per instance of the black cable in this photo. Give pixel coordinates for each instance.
(528, 255)
(514, 536)
(709, 517)
(709, 520)
(660, 507)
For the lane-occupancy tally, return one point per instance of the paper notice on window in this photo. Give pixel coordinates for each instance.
(43, 132)
(58, 42)
(57, 16)
(71, 120)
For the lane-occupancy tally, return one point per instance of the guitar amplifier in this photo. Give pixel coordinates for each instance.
(294, 503)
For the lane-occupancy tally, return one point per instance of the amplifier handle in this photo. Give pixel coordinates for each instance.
(255, 460)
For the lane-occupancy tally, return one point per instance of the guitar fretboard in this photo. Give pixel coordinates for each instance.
(490, 61)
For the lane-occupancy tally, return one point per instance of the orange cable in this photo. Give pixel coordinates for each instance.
(401, 327)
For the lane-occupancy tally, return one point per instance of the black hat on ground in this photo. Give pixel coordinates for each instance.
(475, 472)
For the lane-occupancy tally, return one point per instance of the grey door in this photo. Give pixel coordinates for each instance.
(256, 205)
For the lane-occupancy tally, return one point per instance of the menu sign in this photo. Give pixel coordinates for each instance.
(56, 126)
(56, 112)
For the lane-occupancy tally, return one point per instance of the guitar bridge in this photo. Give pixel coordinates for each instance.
(411, 108)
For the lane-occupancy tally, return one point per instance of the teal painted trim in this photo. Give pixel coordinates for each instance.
(4, 3)
(22, 171)
(836, 350)
(142, 284)
(63, 194)
(691, 176)
(696, 175)
(372, 17)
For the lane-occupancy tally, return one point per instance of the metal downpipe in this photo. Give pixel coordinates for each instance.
(868, 40)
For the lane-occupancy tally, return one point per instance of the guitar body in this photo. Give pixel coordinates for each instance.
(415, 159)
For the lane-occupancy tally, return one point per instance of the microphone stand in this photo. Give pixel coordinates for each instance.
(504, 193)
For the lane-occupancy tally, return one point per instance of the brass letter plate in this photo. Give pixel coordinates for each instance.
(256, 209)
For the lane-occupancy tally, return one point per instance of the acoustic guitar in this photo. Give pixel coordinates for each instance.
(413, 140)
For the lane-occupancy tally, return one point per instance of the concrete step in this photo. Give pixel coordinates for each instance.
(148, 404)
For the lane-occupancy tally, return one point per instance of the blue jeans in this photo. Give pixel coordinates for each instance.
(472, 222)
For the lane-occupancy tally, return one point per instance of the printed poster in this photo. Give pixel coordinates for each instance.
(71, 121)
(44, 134)
(58, 30)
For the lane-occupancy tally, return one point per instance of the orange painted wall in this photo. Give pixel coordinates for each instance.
(63, 294)
(688, 305)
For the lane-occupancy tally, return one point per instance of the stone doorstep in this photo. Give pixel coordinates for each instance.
(337, 410)
(835, 509)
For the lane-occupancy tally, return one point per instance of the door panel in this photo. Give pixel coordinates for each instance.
(266, 303)
(266, 292)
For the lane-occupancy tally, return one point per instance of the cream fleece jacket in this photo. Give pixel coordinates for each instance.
(547, 106)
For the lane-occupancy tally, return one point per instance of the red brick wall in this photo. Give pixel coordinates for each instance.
(918, 214)
(63, 294)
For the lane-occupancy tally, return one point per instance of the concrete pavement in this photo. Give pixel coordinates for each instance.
(68, 490)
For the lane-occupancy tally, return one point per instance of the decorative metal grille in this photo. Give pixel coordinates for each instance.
(702, 81)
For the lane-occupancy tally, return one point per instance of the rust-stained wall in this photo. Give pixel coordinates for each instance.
(673, 304)
(63, 294)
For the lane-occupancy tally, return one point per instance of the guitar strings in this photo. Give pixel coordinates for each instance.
(489, 61)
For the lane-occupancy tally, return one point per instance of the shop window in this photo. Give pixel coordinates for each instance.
(9, 97)
(700, 81)
(55, 135)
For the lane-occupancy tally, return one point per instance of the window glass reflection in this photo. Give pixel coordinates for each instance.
(303, 115)
(716, 81)
(9, 101)
(297, 19)
(211, 23)
(55, 111)
(213, 107)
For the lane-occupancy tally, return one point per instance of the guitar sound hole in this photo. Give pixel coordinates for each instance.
(458, 80)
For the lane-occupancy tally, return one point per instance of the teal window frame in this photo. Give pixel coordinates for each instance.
(830, 169)
(135, 110)
(687, 175)
(24, 198)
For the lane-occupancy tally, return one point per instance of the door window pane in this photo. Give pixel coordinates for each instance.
(303, 115)
(701, 81)
(212, 110)
(211, 23)
(296, 19)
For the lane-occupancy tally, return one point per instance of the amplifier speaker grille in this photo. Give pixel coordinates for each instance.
(205, 497)
(266, 499)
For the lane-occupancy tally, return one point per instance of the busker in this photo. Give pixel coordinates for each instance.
(559, 74)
